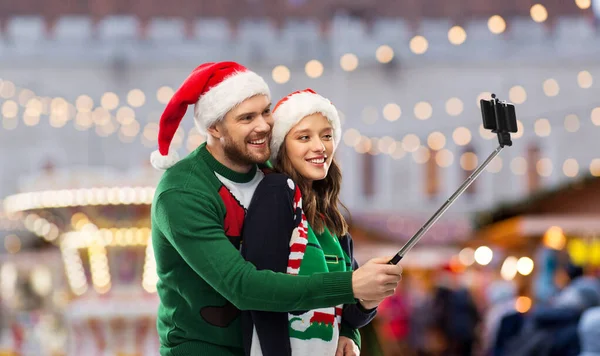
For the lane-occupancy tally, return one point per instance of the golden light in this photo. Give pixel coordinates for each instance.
(109, 101)
(421, 155)
(384, 54)
(423, 110)
(595, 116)
(84, 103)
(131, 129)
(411, 143)
(83, 121)
(595, 167)
(544, 167)
(386, 145)
(467, 256)
(518, 166)
(106, 130)
(436, 140)
(583, 4)
(34, 106)
(419, 45)
(468, 161)
(525, 266)
(31, 117)
(551, 87)
(483, 255)
(444, 158)
(571, 123)
(538, 13)
(352, 137)
(461, 136)
(517, 94)
(457, 35)
(61, 106)
(281, 74)
(12, 244)
(136, 98)
(542, 127)
(125, 115)
(398, 152)
(349, 62)
(392, 112)
(554, 238)
(10, 109)
(164, 94)
(374, 146)
(495, 165)
(496, 24)
(151, 132)
(313, 68)
(508, 271)
(454, 106)
(24, 96)
(100, 116)
(364, 145)
(585, 79)
(57, 120)
(41, 280)
(7, 89)
(571, 167)
(523, 304)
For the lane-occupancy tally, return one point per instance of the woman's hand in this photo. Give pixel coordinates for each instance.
(347, 347)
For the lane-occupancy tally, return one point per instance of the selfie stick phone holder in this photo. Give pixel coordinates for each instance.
(501, 119)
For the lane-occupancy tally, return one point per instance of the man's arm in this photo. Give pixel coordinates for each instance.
(191, 223)
(355, 315)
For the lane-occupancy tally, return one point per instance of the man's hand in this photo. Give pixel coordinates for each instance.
(346, 347)
(376, 280)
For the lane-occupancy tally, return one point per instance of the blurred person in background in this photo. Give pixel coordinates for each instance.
(198, 214)
(294, 226)
(501, 318)
(394, 321)
(455, 315)
(589, 332)
(552, 330)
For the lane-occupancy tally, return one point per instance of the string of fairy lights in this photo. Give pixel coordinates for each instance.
(108, 117)
(112, 114)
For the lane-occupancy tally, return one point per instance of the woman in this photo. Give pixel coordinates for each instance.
(301, 202)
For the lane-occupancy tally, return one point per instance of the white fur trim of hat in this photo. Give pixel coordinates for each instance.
(221, 98)
(296, 106)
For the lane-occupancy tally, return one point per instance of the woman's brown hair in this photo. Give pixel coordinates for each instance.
(320, 200)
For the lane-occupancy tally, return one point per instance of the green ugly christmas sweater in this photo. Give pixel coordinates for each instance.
(197, 217)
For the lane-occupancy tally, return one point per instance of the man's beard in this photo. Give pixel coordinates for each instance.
(237, 152)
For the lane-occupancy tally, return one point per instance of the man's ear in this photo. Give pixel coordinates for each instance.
(216, 130)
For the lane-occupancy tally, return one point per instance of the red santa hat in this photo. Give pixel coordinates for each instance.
(215, 88)
(296, 106)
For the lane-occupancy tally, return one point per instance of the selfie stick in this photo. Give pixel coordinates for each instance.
(501, 119)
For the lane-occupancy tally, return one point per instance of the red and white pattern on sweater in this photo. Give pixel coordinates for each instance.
(299, 237)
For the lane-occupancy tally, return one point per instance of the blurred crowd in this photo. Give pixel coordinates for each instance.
(446, 316)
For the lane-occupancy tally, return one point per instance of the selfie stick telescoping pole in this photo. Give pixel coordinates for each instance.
(499, 127)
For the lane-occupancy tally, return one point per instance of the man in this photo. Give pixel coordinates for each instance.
(197, 217)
